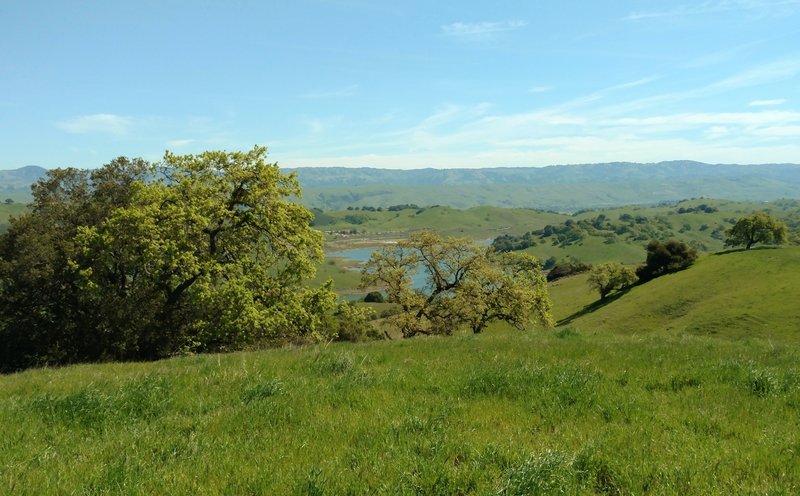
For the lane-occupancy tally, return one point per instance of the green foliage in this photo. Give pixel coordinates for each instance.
(757, 228)
(566, 268)
(664, 258)
(354, 323)
(465, 285)
(611, 276)
(374, 297)
(114, 264)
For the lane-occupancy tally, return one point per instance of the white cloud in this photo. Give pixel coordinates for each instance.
(480, 29)
(540, 89)
(767, 103)
(97, 123)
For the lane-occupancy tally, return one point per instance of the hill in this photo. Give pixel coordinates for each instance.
(16, 183)
(565, 188)
(504, 412)
(734, 294)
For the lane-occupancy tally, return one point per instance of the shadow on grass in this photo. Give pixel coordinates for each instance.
(739, 250)
(591, 307)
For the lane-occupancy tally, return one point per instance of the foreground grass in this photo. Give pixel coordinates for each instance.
(568, 411)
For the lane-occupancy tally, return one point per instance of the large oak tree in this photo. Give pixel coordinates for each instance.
(139, 261)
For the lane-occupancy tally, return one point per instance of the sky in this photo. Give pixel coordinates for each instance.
(401, 84)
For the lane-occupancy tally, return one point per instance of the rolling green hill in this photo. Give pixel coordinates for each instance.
(735, 294)
(688, 384)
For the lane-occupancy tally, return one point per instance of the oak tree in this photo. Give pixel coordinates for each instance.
(610, 276)
(757, 228)
(139, 261)
(465, 285)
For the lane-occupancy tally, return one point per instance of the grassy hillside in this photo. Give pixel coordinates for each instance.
(9, 210)
(504, 412)
(686, 221)
(689, 384)
(732, 294)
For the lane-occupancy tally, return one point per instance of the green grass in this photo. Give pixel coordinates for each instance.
(689, 384)
(504, 412)
(9, 210)
(735, 294)
(481, 223)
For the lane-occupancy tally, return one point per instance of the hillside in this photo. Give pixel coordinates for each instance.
(578, 412)
(16, 183)
(565, 188)
(735, 294)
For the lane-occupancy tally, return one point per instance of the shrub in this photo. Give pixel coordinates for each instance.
(664, 258)
(374, 297)
(568, 267)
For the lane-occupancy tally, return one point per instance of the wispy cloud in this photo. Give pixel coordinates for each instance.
(345, 92)
(540, 89)
(480, 29)
(760, 7)
(767, 103)
(97, 123)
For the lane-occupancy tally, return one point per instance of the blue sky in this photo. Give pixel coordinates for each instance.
(401, 84)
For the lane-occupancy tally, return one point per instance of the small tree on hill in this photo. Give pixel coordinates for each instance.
(664, 258)
(465, 285)
(757, 228)
(611, 276)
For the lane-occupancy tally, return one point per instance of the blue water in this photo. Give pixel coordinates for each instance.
(361, 255)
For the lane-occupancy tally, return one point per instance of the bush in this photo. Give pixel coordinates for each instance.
(569, 267)
(353, 323)
(374, 297)
(664, 258)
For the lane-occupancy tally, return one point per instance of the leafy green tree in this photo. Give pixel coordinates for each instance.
(611, 276)
(757, 228)
(353, 323)
(465, 285)
(664, 258)
(140, 261)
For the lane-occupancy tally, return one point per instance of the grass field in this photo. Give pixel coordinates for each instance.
(737, 294)
(635, 397)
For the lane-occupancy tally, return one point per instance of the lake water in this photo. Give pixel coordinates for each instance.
(361, 255)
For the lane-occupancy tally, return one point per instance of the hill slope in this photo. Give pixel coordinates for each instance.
(562, 188)
(732, 294)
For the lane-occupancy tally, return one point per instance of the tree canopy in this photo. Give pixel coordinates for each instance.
(465, 285)
(664, 258)
(139, 261)
(757, 228)
(611, 276)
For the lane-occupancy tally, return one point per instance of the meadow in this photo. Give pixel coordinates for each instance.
(592, 407)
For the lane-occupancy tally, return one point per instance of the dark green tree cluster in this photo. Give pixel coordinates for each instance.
(140, 261)
(567, 267)
(665, 258)
(571, 232)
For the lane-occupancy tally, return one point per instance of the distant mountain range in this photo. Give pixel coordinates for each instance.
(560, 187)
